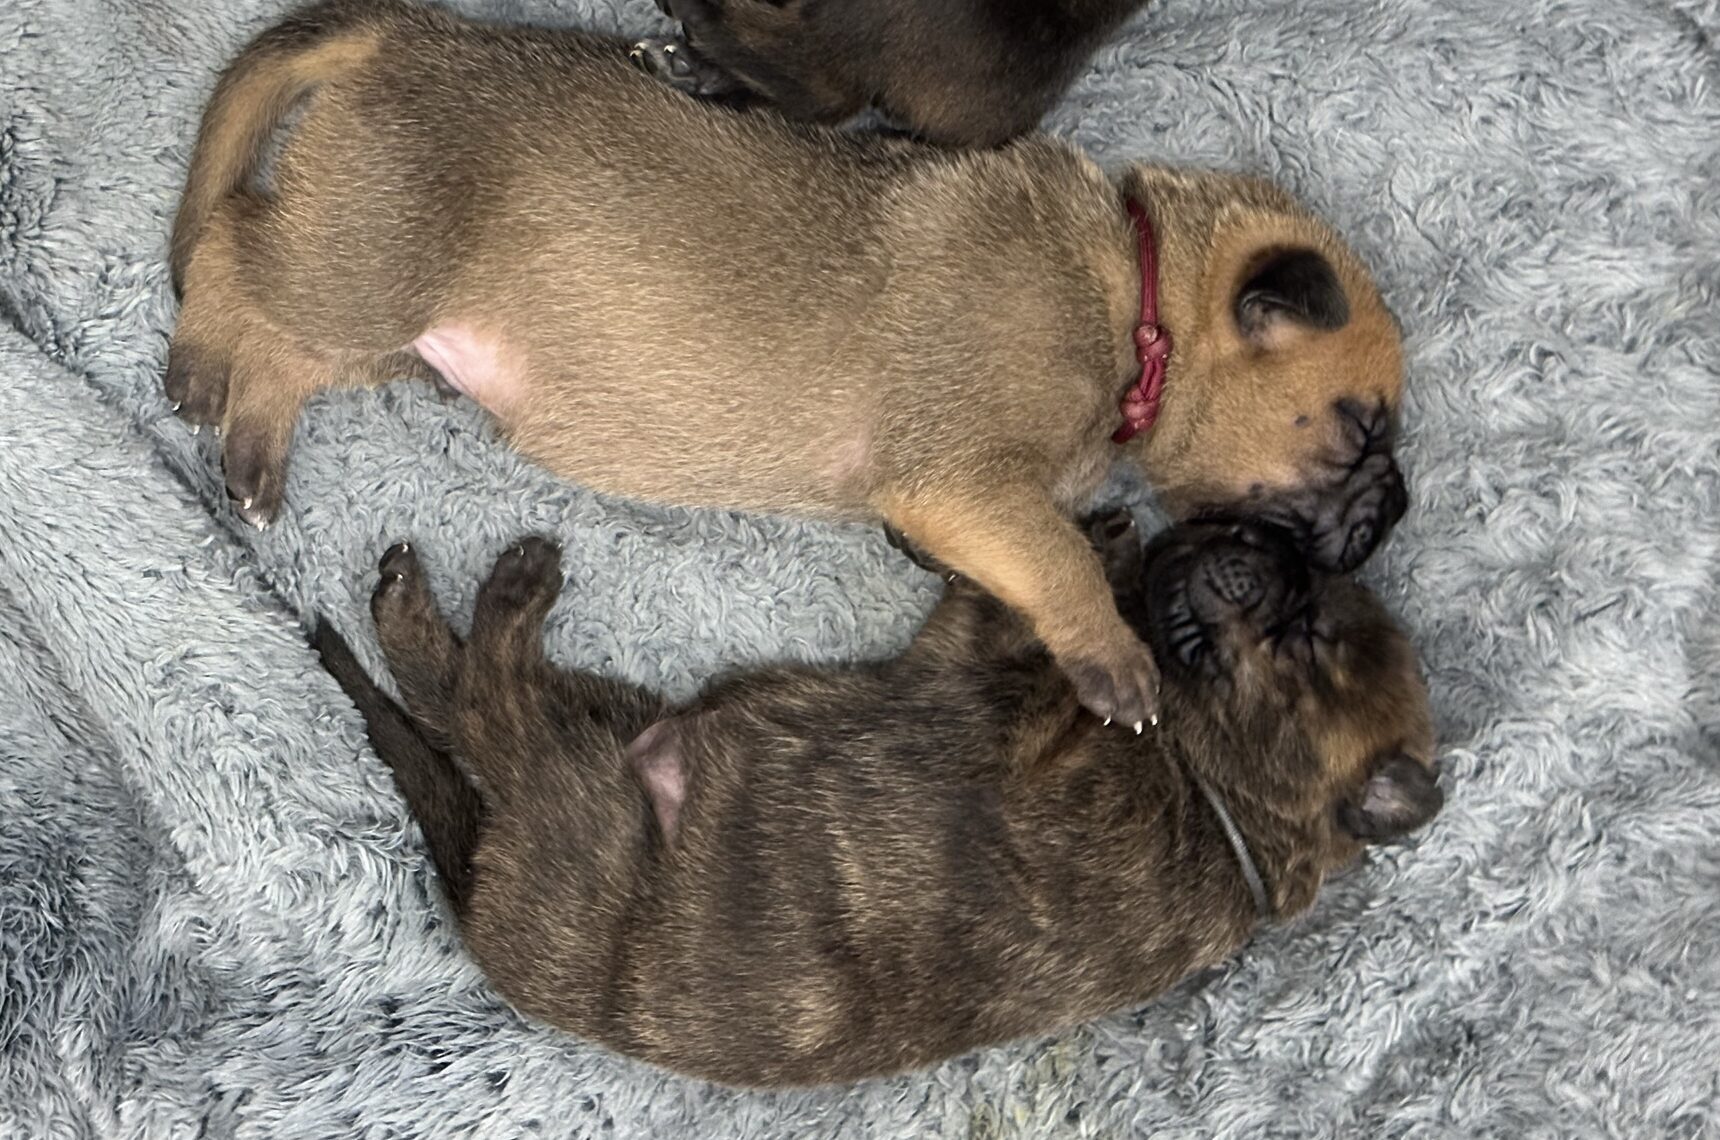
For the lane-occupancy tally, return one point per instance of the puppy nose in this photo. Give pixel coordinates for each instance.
(1250, 568)
(1349, 523)
(1235, 576)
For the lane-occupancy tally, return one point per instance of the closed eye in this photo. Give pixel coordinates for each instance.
(1189, 644)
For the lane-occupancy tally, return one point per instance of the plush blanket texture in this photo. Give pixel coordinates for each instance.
(216, 920)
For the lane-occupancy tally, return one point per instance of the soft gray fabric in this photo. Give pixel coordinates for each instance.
(215, 919)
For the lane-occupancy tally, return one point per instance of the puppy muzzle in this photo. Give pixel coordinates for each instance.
(1357, 497)
(1223, 575)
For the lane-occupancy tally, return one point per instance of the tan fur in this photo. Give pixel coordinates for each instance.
(732, 311)
(1230, 412)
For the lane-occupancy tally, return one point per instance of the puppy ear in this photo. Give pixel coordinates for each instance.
(1400, 795)
(1291, 291)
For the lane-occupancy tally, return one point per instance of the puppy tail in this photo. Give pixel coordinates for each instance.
(253, 96)
(446, 805)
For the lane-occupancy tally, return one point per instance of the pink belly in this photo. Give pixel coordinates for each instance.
(474, 363)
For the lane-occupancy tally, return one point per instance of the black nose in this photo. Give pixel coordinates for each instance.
(1347, 523)
(1341, 516)
(1235, 579)
(1250, 569)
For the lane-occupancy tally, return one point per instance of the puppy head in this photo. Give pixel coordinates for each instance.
(1285, 379)
(1294, 691)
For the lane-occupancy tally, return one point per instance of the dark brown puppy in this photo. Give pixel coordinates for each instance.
(817, 875)
(660, 299)
(958, 72)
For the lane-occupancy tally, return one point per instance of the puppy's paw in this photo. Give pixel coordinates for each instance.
(676, 64)
(527, 576)
(404, 612)
(196, 383)
(399, 562)
(401, 599)
(254, 459)
(1120, 687)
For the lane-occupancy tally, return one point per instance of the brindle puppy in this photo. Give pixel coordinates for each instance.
(957, 72)
(812, 875)
(665, 300)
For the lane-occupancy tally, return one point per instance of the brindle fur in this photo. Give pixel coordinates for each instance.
(881, 866)
(957, 72)
(736, 311)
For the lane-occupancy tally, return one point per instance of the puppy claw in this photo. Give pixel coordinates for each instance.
(680, 67)
(1121, 688)
(1138, 726)
(196, 429)
(1107, 722)
(1153, 720)
(396, 561)
(528, 575)
(254, 458)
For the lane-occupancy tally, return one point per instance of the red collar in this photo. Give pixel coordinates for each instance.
(1140, 405)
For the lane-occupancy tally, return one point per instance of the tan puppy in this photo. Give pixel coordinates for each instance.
(662, 299)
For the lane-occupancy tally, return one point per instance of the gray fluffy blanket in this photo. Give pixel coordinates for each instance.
(216, 919)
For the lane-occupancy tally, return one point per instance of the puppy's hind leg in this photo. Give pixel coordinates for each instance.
(507, 622)
(229, 365)
(448, 808)
(212, 321)
(422, 651)
(592, 720)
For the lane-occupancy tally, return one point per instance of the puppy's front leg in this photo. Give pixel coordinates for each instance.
(1013, 541)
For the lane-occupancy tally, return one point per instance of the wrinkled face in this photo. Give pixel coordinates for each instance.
(1274, 663)
(1283, 400)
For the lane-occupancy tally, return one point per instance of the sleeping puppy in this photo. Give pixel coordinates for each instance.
(816, 875)
(956, 72)
(661, 299)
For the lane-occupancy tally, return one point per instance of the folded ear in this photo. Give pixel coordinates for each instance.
(1399, 796)
(1290, 291)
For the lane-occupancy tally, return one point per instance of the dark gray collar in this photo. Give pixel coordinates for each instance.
(1244, 860)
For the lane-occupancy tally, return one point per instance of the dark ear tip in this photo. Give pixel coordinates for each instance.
(1400, 795)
